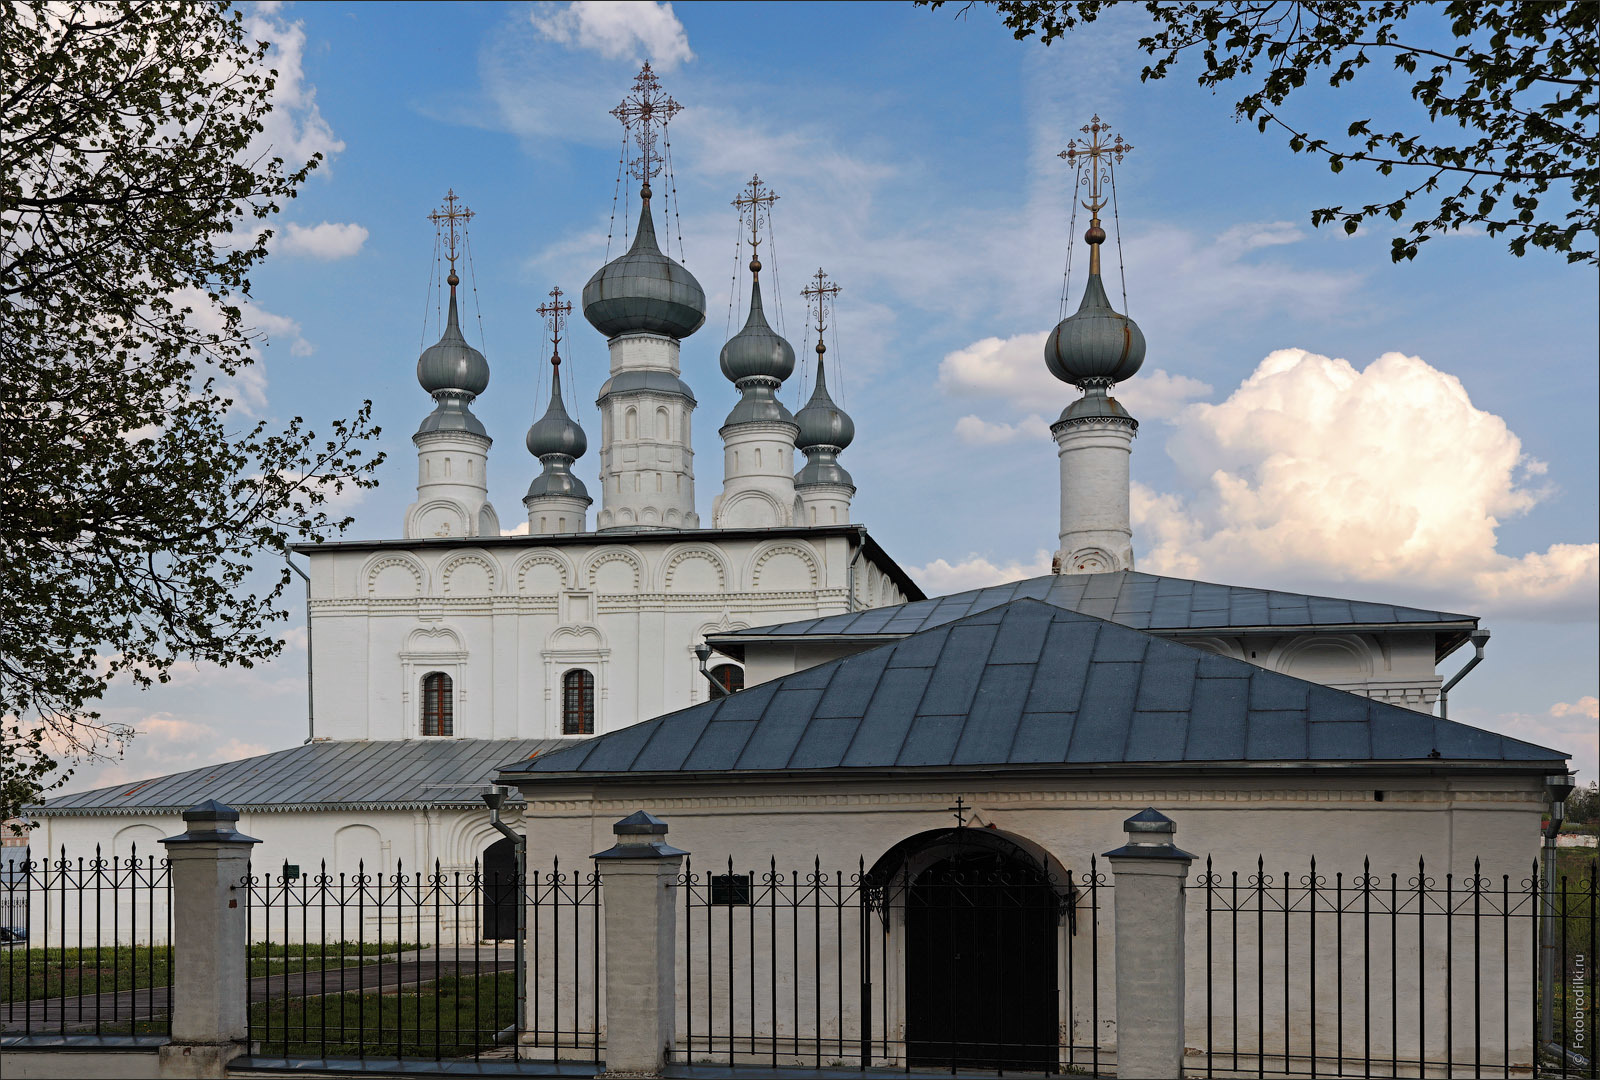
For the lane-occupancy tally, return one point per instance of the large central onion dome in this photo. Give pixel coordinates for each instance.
(451, 364)
(644, 291)
(1096, 346)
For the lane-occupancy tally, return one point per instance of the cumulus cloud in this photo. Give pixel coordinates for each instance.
(520, 530)
(616, 29)
(975, 431)
(1317, 471)
(942, 577)
(328, 240)
(295, 128)
(1568, 726)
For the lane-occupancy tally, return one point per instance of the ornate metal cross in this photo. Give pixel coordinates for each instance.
(555, 316)
(756, 199)
(1097, 153)
(822, 293)
(641, 112)
(447, 217)
(960, 810)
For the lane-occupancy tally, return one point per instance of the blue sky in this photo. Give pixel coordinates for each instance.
(1313, 417)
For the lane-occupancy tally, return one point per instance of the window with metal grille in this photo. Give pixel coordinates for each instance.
(730, 890)
(577, 702)
(438, 704)
(729, 679)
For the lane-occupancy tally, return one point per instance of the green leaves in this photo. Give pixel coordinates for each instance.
(133, 505)
(1518, 81)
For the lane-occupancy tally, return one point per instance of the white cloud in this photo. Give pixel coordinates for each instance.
(975, 431)
(1316, 472)
(616, 29)
(1568, 726)
(295, 128)
(520, 530)
(328, 240)
(942, 577)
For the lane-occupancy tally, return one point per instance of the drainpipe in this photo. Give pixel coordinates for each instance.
(850, 571)
(1558, 786)
(1480, 638)
(702, 653)
(519, 846)
(311, 700)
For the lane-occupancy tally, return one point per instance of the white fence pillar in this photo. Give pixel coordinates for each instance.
(1149, 874)
(209, 1021)
(637, 874)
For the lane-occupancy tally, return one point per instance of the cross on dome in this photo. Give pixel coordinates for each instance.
(1098, 156)
(641, 112)
(820, 295)
(446, 219)
(555, 320)
(755, 200)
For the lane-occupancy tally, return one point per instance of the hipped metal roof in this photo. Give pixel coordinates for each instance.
(1024, 685)
(341, 774)
(1160, 605)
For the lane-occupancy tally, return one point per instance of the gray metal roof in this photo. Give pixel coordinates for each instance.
(1026, 685)
(1160, 605)
(331, 774)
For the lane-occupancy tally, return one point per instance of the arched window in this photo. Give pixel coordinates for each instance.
(438, 704)
(630, 424)
(727, 679)
(663, 425)
(577, 702)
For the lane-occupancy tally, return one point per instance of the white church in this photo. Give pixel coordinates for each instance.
(842, 710)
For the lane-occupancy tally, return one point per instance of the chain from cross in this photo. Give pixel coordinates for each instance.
(555, 316)
(446, 218)
(960, 811)
(756, 199)
(641, 112)
(1097, 154)
(821, 294)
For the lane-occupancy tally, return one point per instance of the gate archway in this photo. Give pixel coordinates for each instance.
(982, 918)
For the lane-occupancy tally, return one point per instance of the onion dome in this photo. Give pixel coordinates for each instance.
(822, 423)
(1096, 404)
(644, 291)
(1096, 346)
(555, 432)
(556, 440)
(757, 350)
(451, 364)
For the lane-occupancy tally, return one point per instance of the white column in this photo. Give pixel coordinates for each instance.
(452, 487)
(1096, 524)
(637, 873)
(1149, 873)
(646, 450)
(758, 476)
(209, 860)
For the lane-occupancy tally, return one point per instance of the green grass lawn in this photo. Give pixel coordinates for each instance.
(466, 1011)
(53, 972)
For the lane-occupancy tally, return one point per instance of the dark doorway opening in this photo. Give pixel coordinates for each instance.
(500, 887)
(982, 932)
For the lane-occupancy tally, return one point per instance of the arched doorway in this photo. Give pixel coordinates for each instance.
(500, 888)
(982, 918)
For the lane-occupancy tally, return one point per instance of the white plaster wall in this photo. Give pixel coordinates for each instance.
(505, 622)
(1448, 822)
(646, 444)
(758, 477)
(1096, 526)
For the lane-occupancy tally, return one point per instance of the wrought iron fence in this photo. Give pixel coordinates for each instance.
(87, 946)
(1388, 974)
(424, 964)
(959, 964)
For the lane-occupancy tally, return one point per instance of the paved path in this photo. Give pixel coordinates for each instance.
(77, 1014)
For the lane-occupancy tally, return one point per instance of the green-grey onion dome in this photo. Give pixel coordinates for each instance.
(821, 422)
(644, 291)
(1096, 346)
(1096, 405)
(452, 364)
(757, 349)
(555, 432)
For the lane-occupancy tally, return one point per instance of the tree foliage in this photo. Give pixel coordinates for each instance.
(138, 493)
(1510, 86)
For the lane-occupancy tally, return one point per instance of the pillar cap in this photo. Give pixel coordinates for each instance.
(210, 822)
(638, 837)
(1150, 834)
